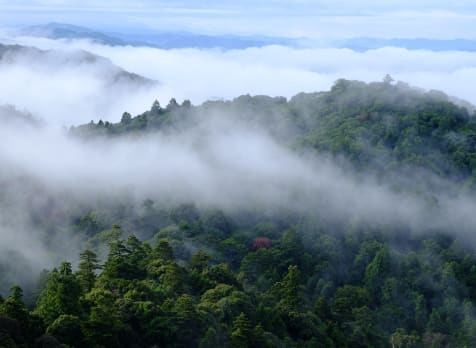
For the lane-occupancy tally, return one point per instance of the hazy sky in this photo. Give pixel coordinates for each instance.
(317, 18)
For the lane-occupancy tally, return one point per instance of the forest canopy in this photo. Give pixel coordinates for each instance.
(378, 252)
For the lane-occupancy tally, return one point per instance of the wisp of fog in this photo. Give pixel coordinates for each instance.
(219, 162)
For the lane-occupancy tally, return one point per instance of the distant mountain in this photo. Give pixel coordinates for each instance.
(174, 40)
(163, 40)
(365, 44)
(31, 56)
(68, 31)
(182, 39)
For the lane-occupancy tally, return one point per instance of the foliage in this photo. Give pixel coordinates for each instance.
(202, 277)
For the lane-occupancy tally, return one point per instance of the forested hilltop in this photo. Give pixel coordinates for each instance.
(379, 251)
(377, 126)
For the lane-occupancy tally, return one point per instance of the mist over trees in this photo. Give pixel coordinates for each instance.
(333, 219)
(365, 123)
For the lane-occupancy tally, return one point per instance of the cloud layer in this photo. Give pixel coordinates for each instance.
(76, 94)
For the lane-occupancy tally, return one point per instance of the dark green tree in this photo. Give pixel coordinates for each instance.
(61, 295)
(88, 266)
(240, 336)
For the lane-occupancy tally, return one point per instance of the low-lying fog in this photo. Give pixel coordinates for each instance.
(215, 164)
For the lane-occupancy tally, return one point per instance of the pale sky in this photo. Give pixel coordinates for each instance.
(315, 19)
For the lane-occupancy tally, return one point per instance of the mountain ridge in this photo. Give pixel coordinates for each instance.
(163, 40)
(378, 125)
(183, 39)
(28, 55)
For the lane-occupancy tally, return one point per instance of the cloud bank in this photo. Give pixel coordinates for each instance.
(76, 94)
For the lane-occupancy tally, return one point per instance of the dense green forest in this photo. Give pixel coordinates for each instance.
(185, 275)
(381, 127)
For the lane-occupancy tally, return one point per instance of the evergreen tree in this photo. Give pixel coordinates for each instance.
(241, 332)
(61, 295)
(88, 266)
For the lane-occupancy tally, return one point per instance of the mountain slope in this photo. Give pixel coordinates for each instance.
(34, 58)
(68, 31)
(355, 227)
